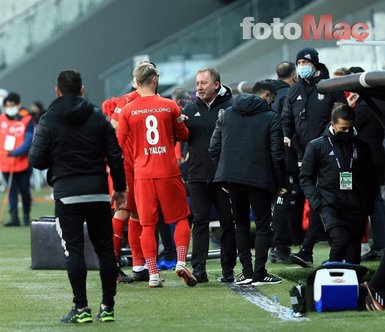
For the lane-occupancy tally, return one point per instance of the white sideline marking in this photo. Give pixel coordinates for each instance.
(265, 303)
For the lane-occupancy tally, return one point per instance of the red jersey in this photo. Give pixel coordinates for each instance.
(123, 101)
(149, 124)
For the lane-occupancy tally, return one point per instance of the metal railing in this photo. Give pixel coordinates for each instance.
(38, 23)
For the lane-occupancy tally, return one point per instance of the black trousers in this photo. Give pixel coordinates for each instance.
(203, 197)
(287, 219)
(346, 230)
(311, 235)
(99, 223)
(378, 279)
(242, 197)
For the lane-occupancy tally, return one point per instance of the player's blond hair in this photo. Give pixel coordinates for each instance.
(144, 72)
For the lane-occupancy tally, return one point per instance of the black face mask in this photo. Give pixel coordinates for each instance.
(343, 136)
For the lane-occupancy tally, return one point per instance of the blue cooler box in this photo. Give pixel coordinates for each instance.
(335, 289)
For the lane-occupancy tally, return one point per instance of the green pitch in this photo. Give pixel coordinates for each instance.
(34, 300)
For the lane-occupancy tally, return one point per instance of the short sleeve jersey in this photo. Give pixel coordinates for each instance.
(149, 124)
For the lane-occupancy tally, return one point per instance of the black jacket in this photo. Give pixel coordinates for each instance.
(307, 112)
(248, 142)
(319, 175)
(201, 123)
(282, 89)
(371, 132)
(76, 142)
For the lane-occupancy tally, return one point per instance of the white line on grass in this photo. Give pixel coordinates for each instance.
(265, 303)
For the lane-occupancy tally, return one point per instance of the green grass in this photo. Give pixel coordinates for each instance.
(34, 300)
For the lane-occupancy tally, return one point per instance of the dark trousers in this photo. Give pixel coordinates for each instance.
(99, 223)
(242, 197)
(311, 235)
(287, 219)
(377, 220)
(378, 279)
(346, 230)
(203, 197)
(20, 184)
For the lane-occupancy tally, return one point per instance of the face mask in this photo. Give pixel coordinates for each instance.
(342, 136)
(305, 71)
(11, 111)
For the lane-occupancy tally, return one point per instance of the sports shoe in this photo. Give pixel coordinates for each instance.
(106, 314)
(200, 275)
(155, 281)
(164, 264)
(279, 256)
(226, 279)
(267, 279)
(141, 276)
(372, 255)
(77, 316)
(242, 280)
(183, 272)
(123, 278)
(302, 258)
(374, 301)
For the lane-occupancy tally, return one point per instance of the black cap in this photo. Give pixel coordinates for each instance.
(309, 54)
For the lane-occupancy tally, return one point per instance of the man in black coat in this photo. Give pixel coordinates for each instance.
(212, 100)
(76, 142)
(247, 143)
(338, 180)
(305, 116)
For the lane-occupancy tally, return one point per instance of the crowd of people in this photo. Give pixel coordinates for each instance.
(281, 155)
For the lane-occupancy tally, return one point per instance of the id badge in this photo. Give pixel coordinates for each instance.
(9, 143)
(346, 181)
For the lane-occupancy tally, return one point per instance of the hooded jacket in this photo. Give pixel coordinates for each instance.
(76, 142)
(248, 145)
(319, 175)
(306, 112)
(201, 123)
(282, 89)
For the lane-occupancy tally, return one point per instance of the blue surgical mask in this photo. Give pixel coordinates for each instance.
(305, 71)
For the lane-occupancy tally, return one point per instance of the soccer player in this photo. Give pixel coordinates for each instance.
(112, 108)
(148, 124)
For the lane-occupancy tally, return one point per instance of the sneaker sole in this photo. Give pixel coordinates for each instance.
(106, 319)
(300, 261)
(244, 283)
(260, 283)
(374, 302)
(188, 279)
(125, 280)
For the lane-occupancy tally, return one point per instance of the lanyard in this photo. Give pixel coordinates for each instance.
(337, 159)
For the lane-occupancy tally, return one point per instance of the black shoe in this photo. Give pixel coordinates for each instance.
(267, 279)
(12, 224)
(123, 278)
(302, 258)
(243, 280)
(280, 256)
(372, 255)
(200, 275)
(226, 278)
(141, 276)
(78, 316)
(26, 220)
(106, 314)
(374, 300)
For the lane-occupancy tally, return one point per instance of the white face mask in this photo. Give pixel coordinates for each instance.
(11, 111)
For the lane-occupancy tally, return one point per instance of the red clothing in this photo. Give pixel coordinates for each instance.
(148, 125)
(123, 101)
(12, 135)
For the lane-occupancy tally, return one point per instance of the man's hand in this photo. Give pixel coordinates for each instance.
(120, 198)
(282, 192)
(287, 141)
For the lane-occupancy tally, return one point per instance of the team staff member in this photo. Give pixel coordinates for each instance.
(74, 140)
(212, 100)
(248, 145)
(16, 133)
(305, 116)
(338, 180)
(148, 124)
